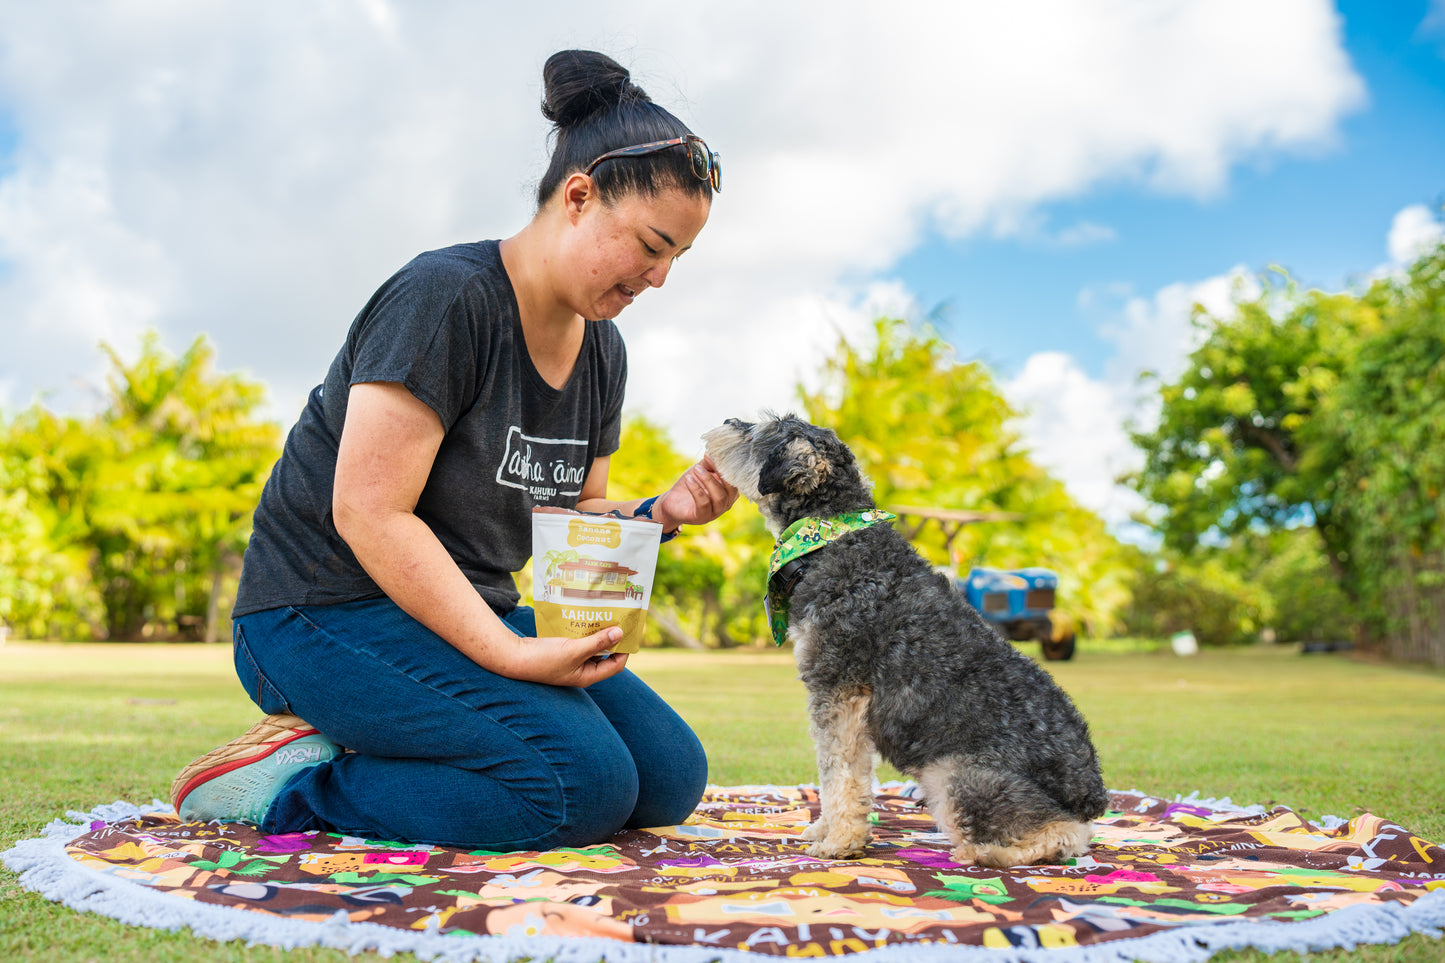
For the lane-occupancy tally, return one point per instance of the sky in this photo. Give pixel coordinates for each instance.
(1053, 184)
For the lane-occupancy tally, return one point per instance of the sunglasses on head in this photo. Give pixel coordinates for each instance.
(706, 164)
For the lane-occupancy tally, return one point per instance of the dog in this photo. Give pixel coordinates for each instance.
(896, 661)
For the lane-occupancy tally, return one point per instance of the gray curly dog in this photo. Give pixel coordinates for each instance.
(895, 660)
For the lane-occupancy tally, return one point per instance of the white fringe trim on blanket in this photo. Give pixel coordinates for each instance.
(44, 867)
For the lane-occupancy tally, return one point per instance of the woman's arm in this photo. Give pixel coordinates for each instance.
(388, 444)
(696, 498)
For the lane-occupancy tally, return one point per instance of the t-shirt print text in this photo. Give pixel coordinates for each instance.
(543, 467)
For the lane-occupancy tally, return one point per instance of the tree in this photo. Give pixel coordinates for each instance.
(45, 590)
(1229, 449)
(1378, 442)
(1199, 593)
(192, 458)
(154, 494)
(1322, 410)
(49, 463)
(1303, 602)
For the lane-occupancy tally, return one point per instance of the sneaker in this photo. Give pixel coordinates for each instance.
(238, 782)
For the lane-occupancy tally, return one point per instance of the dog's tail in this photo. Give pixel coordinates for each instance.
(1000, 818)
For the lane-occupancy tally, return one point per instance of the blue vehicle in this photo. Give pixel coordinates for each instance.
(1020, 604)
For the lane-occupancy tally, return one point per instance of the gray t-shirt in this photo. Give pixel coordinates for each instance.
(446, 327)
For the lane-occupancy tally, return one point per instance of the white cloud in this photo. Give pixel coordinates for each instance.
(1157, 333)
(1085, 232)
(1077, 425)
(1434, 22)
(255, 171)
(1414, 230)
(1074, 425)
(1032, 228)
(695, 378)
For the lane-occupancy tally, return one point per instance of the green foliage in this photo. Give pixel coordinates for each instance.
(934, 432)
(1228, 452)
(921, 423)
(1304, 601)
(1200, 594)
(1380, 441)
(134, 520)
(43, 589)
(1323, 410)
(1259, 586)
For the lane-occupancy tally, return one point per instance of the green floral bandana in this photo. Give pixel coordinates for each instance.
(804, 536)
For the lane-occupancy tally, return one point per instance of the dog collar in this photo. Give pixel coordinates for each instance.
(786, 565)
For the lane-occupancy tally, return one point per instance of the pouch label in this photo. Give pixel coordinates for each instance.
(581, 531)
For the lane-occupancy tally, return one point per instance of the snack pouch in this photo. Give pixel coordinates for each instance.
(592, 571)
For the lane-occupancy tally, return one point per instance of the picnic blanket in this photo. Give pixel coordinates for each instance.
(1164, 881)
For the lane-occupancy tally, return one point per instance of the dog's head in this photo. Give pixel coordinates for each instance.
(789, 468)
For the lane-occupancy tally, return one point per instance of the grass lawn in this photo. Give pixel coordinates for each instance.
(82, 725)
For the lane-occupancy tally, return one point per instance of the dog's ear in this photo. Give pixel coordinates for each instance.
(795, 466)
(770, 479)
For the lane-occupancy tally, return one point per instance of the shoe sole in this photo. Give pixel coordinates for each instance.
(258, 742)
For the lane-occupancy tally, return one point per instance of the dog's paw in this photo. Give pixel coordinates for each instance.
(827, 850)
(815, 830)
(849, 843)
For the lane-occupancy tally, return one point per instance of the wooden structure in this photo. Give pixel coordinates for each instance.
(912, 520)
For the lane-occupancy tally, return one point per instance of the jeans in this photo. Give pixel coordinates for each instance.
(446, 752)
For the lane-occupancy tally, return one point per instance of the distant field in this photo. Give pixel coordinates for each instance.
(87, 724)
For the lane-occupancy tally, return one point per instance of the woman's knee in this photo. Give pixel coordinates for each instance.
(595, 820)
(674, 786)
(599, 803)
(591, 795)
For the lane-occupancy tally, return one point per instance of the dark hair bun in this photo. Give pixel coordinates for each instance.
(595, 108)
(579, 83)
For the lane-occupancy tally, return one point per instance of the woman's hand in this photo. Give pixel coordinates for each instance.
(559, 661)
(696, 498)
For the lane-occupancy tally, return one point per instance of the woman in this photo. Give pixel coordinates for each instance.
(376, 599)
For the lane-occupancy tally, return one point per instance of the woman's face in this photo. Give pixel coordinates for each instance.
(623, 248)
